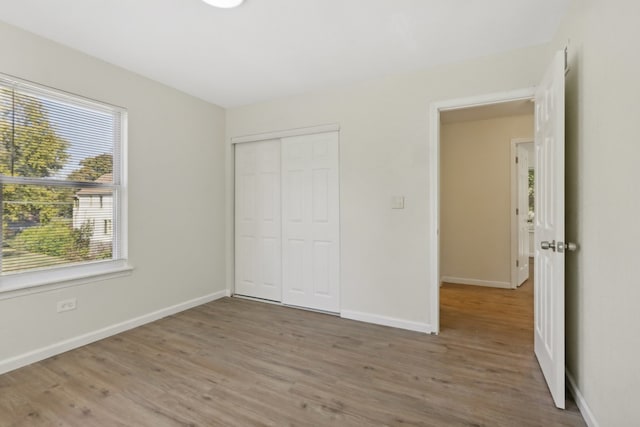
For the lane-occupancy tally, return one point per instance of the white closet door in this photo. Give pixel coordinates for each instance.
(310, 221)
(258, 248)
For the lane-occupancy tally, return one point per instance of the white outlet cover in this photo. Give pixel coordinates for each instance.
(397, 202)
(67, 305)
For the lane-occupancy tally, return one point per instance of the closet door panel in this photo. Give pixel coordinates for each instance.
(258, 230)
(310, 194)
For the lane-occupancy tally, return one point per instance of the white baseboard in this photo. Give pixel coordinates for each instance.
(581, 402)
(387, 321)
(476, 282)
(75, 342)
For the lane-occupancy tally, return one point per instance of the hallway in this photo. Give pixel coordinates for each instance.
(497, 327)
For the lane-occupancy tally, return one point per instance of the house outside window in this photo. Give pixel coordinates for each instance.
(57, 153)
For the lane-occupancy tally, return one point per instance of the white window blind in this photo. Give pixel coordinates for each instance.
(60, 178)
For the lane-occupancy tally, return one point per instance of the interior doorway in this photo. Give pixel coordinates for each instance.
(478, 109)
(550, 245)
(486, 275)
(484, 225)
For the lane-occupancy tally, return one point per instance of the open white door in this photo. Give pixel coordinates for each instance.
(549, 229)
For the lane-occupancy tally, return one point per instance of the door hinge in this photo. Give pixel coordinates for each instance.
(516, 160)
(517, 211)
(517, 263)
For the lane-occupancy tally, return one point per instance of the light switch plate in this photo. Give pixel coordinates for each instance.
(397, 202)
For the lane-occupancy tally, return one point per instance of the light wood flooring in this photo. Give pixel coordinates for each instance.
(236, 362)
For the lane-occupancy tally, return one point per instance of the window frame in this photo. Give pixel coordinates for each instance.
(72, 274)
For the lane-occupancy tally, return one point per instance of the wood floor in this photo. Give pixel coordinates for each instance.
(236, 362)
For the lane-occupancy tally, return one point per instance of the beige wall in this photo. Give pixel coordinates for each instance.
(383, 153)
(176, 167)
(603, 202)
(475, 199)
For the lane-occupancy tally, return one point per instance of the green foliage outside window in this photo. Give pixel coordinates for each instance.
(37, 219)
(56, 238)
(30, 147)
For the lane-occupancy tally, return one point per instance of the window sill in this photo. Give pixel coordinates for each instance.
(20, 284)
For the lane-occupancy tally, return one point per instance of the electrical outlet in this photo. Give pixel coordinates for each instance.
(67, 305)
(397, 202)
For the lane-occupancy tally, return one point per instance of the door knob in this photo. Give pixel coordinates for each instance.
(548, 245)
(566, 247)
(560, 246)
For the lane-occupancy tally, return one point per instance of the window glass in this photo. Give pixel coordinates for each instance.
(59, 185)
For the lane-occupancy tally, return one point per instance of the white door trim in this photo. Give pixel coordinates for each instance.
(514, 205)
(434, 180)
(278, 134)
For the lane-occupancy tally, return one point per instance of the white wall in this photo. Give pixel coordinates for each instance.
(176, 168)
(475, 199)
(383, 152)
(603, 205)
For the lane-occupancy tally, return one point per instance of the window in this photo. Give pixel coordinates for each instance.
(58, 152)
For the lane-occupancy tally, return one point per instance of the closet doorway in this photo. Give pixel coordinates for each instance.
(287, 227)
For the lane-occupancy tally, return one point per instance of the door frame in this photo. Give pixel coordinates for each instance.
(514, 205)
(433, 162)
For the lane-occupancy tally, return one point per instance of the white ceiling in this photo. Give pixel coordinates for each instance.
(271, 48)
